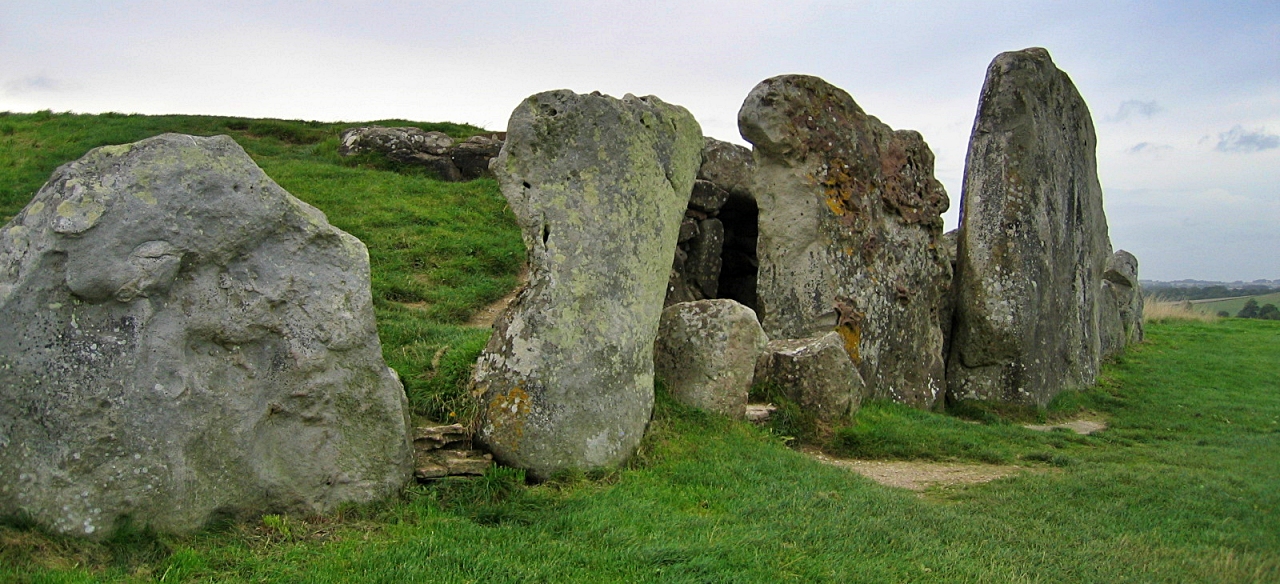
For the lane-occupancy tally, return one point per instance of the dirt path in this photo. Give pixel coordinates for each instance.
(918, 475)
(487, 315)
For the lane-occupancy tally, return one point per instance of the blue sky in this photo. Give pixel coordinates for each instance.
(1185, 95)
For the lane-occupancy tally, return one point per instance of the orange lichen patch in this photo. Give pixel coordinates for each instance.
(507, 413)
(852, 338)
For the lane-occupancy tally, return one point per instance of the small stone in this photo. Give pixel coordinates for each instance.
(816, 373)
(706, 353)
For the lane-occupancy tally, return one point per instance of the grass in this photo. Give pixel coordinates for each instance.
(1183, 486)
(1234, 305)
(438, 251)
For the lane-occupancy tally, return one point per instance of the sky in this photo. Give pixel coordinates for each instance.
(1185, 96)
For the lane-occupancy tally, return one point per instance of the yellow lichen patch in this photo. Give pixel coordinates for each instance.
(35, 208)
(117, 150)
(86, 211)
(852, 336)
(507, 413)
(145, 197)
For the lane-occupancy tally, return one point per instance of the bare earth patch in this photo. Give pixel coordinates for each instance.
(487, 315)
(1082, 427)
(918, 475)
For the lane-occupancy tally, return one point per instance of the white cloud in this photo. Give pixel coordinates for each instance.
(1237, 139)
(1133, 108)
(33, 84)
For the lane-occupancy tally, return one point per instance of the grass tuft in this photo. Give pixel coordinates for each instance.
(1156, 310)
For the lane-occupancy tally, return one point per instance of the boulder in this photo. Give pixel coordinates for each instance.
(707, 197)
(1033, 240)
(706, 353)
(472, 156)
(816, 373)
(728, 166)
(406, 145)
(849, 233)
(1120, 317)
(599, 187)
(187, 341)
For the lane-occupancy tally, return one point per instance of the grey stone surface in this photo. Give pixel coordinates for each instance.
(816, 373)
(849, 232)
(1120, 317)
(707, 197)
(398, 144)
(599, 186)
(1033, 240)
(706, 353)
(186, 340)
(728, 166)
(702, 268)
(473, 155)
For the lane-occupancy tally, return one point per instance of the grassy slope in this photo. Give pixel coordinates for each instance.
(1234, 305)
(438, 251)
(1185, 486)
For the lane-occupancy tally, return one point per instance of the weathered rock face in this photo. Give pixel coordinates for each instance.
(435, 151)
(1033, 239)
(816, 373)
(706, 353)
(720, 224)
(850, 226)
(472, 156)
(598, 186)
(1120, 318)
(186, 340)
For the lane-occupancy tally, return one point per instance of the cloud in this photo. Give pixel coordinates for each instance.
(1149, 148)
(1135, 108)
(1240, 140)
(34, 83)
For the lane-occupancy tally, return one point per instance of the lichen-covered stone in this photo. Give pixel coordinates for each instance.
(728, 166)
(1033, 239)
(407, 145)
(849, 228)
(816, 373)
(1120, 317)
(706, 353)
(599, 186)
(473, 155)
(185, 340)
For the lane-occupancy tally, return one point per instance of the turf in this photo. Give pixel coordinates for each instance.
(1184, 486)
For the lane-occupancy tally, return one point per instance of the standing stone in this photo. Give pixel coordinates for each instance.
(599, 186)
(185, 341)
(1120, 319)
(1033, 239)
(850, 228)
(706, 353)
(816, 373)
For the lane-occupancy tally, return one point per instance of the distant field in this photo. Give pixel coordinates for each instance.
(1233, 305)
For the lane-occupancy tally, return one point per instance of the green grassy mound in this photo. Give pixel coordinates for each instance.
(1183, 486)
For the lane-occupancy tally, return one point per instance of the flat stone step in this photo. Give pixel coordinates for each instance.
(760, 413)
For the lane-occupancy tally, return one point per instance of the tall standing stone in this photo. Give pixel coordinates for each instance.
(184, 341)
(849, 232)
(1033, 239)
(598, 186)
(1120, 320)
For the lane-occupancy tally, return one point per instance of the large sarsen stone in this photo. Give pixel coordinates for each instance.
(850, 230)
(1032, 242)
(185, 340)
(598, 186)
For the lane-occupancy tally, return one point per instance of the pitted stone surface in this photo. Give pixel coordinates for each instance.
(599, 186)
(1033, 239)
(184, 340)
(706, 353)
(849, 232)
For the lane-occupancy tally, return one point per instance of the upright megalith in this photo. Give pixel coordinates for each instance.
(185, 341)
(849, 233)
(1033, 239)
(1120, 319)
(598, 186)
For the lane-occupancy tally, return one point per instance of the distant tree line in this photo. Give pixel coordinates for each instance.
(1207, 292)
(1252, 310)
